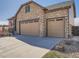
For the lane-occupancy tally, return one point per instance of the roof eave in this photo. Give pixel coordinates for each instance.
(66, 7)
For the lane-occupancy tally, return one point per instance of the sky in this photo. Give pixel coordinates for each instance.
(8, 8)
(76, 21)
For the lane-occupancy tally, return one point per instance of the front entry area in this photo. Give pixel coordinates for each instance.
(55, 27)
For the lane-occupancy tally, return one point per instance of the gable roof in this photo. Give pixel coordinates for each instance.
(62, 5)
(51, 7)
(29, 3)
(12, 18)
(59, 5)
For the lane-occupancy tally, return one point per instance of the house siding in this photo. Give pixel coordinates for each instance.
(43, 16)
(37, 12)
(57, 13)
(61, 13)
(71, 20)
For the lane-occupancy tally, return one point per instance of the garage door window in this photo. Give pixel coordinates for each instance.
(59, 19)
(51, 20)
(30, 21)
(36, 20)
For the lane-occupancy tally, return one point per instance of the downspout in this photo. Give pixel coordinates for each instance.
(68, 25)
(74, 8)
(19, 27)
(15, 23)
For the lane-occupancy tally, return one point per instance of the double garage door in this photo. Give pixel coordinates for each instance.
(55, 28)
(30, 28)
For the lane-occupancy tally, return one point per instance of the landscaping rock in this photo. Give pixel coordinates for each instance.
(60, 47)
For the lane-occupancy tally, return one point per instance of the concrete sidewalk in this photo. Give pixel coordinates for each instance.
(26, 47)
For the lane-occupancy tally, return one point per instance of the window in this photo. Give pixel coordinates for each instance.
(27, 9)
(36, 20)
(59, 19)
(51, 19)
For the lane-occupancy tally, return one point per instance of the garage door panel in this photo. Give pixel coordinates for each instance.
(30, 29)
(56, 28)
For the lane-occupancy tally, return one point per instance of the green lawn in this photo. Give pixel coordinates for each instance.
(54, 54)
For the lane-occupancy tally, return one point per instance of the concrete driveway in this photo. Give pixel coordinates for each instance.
(26, 46)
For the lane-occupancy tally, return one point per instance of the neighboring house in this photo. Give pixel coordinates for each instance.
(12, 23)
(75, 30)
(52, 21)
(3, 29)
(76, 21)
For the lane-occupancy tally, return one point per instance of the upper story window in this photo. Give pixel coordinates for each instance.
(27, 9)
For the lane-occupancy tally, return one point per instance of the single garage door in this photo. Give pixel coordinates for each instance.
(56, 27)
(30, 28)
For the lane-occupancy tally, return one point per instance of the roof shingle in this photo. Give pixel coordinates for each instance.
(60, 5)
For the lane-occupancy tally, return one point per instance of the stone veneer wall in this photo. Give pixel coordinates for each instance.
(59, 13)
(42, 26)
(66, 27)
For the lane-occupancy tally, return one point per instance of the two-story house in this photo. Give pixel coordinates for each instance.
(51, 21)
